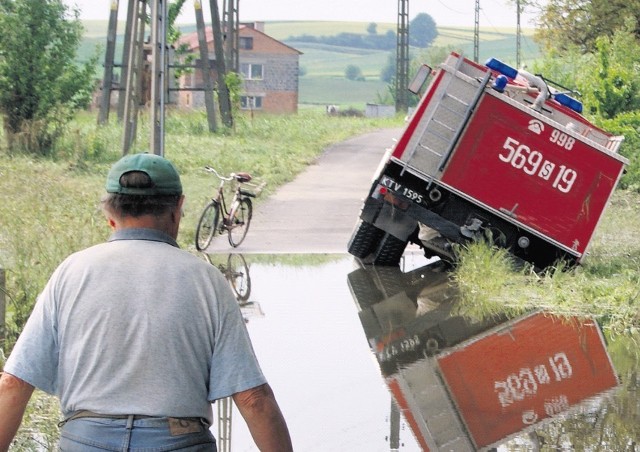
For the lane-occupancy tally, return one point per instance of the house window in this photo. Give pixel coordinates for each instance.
(251, 71)
(251, 102)
(245, 43)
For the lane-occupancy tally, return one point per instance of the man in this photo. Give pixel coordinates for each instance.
(137, 337)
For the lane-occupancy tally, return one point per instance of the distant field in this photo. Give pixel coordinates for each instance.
(324, 66)
(282, 30)
(338, 91)
(331, 61)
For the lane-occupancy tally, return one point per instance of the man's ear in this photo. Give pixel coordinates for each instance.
(178, 212)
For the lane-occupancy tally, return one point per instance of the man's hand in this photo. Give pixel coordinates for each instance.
(260, 410)
(14, 396)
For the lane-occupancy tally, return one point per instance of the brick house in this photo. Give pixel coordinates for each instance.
(268, 67)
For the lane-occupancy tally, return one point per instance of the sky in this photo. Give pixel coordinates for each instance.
(493, 13)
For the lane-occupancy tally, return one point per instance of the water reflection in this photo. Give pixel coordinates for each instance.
(438, 379)
(468, 384)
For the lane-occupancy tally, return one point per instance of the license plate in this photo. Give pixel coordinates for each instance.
(400, 189)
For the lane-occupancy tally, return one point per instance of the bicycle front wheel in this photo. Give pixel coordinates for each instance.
(239, 220)
(238, 275)
(208, 225)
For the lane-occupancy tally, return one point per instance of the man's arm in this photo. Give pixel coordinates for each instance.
(14, 396)
(260, 410)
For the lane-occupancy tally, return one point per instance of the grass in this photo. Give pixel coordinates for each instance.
(606, 285)
(50, 209)
(58, 198)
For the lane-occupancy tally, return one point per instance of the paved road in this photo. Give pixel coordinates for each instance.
(316, 212)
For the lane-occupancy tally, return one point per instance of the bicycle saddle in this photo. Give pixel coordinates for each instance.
(242, 177)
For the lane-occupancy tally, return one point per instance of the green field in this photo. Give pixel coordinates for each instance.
(324, 66)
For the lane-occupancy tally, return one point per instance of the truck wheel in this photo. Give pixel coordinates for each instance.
(363, 289)
(389, 251)
(364, 239)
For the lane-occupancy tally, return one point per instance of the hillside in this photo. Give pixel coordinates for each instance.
(323, 66)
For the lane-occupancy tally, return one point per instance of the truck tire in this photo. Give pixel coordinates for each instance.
(389, 251)
(363, 288)
(364, 239)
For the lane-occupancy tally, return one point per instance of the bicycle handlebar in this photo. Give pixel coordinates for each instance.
(218, 175)
(242, 178)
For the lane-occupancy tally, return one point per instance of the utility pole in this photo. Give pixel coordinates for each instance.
(145, 69)
(394, 430)
(225, 411)
(134, 74)
(205, 64)
(518, 33)
(3, 305)
(159, 64)
(223, 90)
(402, 57)
(231, 25)
(476, 33)
(107, 79)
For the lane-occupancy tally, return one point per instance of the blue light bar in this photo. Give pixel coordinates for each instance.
(499, 66)
(568, 101)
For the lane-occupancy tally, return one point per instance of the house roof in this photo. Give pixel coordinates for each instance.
(191, 39)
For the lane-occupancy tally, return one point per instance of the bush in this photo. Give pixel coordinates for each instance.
(353, 72)
(41, 86)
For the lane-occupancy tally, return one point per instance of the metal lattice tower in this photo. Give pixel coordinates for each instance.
(402, 57)
(476, 33)
(134, 73)
(518, 34)
(230, 26)
(145, 69)
(225, 412)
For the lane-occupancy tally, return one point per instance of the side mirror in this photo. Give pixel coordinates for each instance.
(420, 78)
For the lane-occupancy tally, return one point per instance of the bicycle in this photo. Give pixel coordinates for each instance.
(237, 273)
(216, 218)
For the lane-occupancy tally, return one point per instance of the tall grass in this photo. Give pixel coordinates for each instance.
(606, 285)
(51, 206)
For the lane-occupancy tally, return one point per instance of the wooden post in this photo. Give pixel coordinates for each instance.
(107, 79)
(135, 68)
(205, 65)
(3, 305)
(223, 91)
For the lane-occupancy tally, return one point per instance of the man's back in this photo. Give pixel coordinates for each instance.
(138, 322)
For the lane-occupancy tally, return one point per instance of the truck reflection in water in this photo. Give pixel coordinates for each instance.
(464, 383)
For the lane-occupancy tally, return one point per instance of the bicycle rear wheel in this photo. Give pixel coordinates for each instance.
(208, 225)
(239, 220)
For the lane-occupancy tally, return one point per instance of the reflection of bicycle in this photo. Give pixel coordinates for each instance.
(216, 218)
(237, 273)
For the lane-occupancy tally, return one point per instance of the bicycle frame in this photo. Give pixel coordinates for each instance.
(234, 218)
(220, 199)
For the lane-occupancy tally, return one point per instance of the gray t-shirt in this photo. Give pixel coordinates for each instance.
(136, 326)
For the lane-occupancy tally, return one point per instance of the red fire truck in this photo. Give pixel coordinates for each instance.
(494, 152)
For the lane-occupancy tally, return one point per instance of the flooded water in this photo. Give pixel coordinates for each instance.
(379, 359)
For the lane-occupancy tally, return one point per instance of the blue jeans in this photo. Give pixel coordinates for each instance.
(147, 434)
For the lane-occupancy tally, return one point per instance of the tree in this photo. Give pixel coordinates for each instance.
(422, 30)
(41, 87)
(608, 79)
(372, 28)
(353, 72)
(580, 22)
